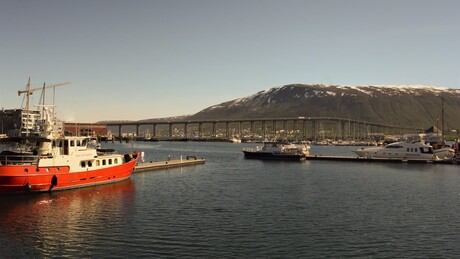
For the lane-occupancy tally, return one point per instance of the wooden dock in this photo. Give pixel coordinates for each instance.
(381, 160)
(189, 160)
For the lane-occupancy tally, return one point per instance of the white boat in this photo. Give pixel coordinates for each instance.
(405, 151)
(235, 140)
(456, 147)
(278, 151)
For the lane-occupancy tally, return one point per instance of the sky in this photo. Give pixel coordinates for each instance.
(141, 59)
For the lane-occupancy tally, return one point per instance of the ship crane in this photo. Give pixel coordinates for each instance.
(29, 92)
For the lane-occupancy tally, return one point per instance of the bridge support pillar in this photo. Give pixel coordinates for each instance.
(185, 130)
(313, 131)
(227, 129)
(119, 133)
(264, 130)
(239, 129)
(304, 130)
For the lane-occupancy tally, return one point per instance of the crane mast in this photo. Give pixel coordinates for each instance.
(28, 92)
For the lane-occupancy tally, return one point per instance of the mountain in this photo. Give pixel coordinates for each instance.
(406, 105)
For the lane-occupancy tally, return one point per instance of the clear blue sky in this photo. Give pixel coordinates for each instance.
(144, 59)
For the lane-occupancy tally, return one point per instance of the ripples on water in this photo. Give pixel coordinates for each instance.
(232, 207)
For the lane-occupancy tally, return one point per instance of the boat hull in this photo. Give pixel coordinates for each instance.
(31, 178)
(273, 156)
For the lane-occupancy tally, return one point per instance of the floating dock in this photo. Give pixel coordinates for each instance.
(381, 160)
(189, 160)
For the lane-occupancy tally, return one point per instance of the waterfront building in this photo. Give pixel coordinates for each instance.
(19, 122)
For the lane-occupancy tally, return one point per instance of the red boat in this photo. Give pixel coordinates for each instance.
(47, 160)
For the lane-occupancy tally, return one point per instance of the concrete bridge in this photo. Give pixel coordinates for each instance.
(301, 128)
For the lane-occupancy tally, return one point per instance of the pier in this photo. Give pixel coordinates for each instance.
(188, 161)
(300, 128)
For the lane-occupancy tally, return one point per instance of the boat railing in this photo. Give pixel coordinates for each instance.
(18, 159)
(252, 149)
(102, 151)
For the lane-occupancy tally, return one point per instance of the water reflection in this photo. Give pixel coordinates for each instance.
(46, 224)
(234, 207)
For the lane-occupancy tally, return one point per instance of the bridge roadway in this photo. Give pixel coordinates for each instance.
(360, 128)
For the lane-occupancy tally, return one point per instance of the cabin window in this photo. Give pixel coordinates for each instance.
(103, 162)
(90, 164)
(72, 143)
(66, 147)
(110, 161)
(78, 143)
(98, 163)
(83, 164)
(415, 150)
(115, 161)
(407, 149)
(83, 143)
(427, 150)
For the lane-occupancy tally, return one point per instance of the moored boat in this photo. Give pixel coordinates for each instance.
(405, 151)
(456, 147)
(49, 160)
(235, 140)
(278, 151)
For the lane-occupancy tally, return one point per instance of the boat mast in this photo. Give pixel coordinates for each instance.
(442, 120)
(28, 93)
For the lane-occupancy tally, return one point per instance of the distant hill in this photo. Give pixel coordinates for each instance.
(407, 106)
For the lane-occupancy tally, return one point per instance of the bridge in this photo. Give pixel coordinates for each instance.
(301, 128)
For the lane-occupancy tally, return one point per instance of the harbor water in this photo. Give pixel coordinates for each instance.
(238, 208)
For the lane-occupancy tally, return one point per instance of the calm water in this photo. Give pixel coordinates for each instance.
(232, 207)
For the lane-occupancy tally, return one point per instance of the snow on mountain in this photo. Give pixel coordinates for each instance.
(332, 90)
(410, 105)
